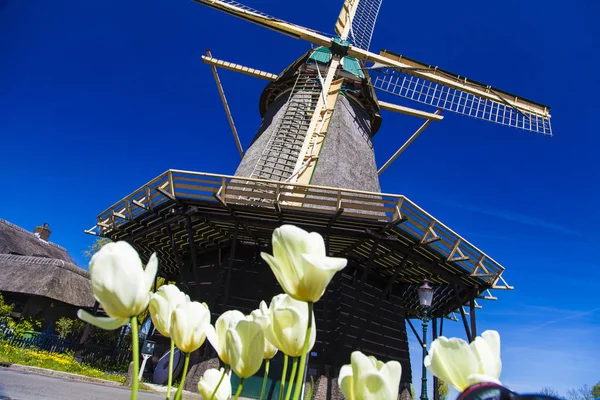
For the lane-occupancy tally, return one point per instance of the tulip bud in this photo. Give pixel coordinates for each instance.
(461, 364)
(263, 311)
(120, 284)
(216, 335)
(209, 382)
(189, 323)
(286, 329)
(245, 348)
(368, 378)
(300, 263)
(162, 304)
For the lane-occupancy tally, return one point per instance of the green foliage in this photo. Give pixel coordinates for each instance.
(5, 309)
(596, 390)
(68, 327)
(24, 324)
(443, 390)
(309, 391)
(54, 361)
(412, 391)
(94, 248)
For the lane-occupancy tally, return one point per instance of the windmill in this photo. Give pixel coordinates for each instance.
(312, 164)
(342, 75)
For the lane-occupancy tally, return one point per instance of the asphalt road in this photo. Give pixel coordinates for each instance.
(18, 385)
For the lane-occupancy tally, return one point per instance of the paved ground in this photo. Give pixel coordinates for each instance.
(18, 385)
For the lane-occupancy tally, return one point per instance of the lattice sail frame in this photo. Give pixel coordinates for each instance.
(452, 99)
(363, 23)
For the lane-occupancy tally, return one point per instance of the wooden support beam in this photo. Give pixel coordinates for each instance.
(456, 249)
(434, 336)
(256, 73)
(230, 266)
(473, 319)
(193, 255)
(177, 257)
(462, 314)
(226, 106)
(434, 117)
(407, 143)
(430, 236)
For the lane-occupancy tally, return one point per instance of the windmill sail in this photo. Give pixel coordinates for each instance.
(460, 95)
(363, 23)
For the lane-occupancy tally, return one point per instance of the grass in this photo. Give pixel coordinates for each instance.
(53, 361)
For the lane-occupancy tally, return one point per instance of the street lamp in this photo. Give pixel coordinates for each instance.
(425, 296)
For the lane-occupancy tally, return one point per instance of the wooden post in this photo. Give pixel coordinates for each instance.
(230, 265)
(473, 321)
(462, 314)
(193, 254)
(434, 334)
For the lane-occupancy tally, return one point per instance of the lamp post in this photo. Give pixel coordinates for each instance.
(425, 296)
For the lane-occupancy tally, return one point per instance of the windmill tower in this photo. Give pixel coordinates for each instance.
(312, 164)
(320, 113)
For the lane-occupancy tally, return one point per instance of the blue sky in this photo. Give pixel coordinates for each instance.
(97, 98)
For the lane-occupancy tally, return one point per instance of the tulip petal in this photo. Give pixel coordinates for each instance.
(478, 378)
(318, 273)
(492, 338)
(391, 373)
(245, 344)
(280, 274)
(452, 360)
(372, 386)
(345, 382)
(150, 272)
(361, 364)
(105, 323)
(208, 383)
(488, 363)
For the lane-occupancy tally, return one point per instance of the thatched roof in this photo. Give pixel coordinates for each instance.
(33, 266)
(16, 240)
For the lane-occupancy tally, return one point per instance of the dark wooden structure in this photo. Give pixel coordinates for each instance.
(208, 231)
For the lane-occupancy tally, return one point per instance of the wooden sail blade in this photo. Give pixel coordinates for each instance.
(356, 21)
(430, 85)
(343, 24)
(249, 14)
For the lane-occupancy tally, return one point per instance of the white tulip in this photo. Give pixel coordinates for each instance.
(245, 343)
(367, 378)
(461, 364)
(189, 323)
(120, 284)
(217, 334)
(162, 305)
(209, 382)
(286, 329)
(300, 263)
(263, 311)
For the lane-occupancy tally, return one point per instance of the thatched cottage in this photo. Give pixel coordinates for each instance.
(40, 277)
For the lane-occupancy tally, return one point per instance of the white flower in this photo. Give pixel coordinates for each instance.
(367, 378)
(263, 311)
(245, 347)
(120, 284)
(461, 364)
(189, 323)
(217, 334)
(162, 305)
(300, 263)
(209, 382)
(286, 329)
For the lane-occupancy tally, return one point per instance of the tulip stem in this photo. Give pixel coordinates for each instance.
(283, 376)
(170, 382)
(292, 376)
(300, 377)
(135, 344)
(239, 389)
(183, 374)
(225, 371)
(264, 385)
